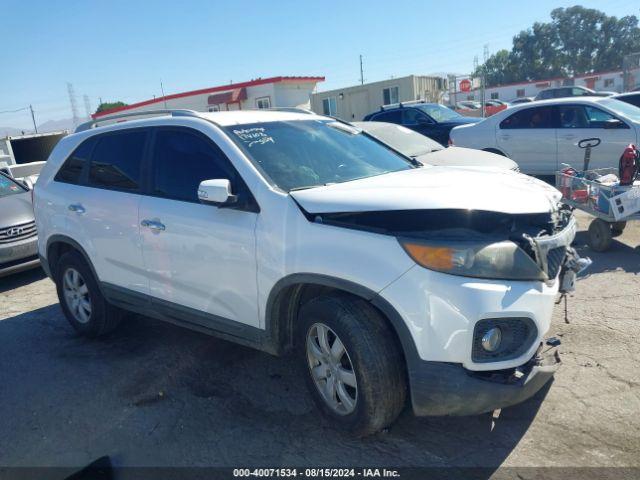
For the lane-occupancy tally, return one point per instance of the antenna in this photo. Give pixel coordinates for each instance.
(74, 104)
(87, 105)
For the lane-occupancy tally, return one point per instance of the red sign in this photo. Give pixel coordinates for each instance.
(465, 85)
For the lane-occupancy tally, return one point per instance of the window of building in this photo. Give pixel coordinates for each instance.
(181, 160)
(390, 95)
(263, 102)
(329, 106)
(495, 95)
(71, 170)
(608, 82)
(537, 117)
(116, 160)
(520, 93)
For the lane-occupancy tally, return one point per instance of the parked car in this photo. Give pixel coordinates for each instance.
(520, 100)
(491, 107)
(561, 92)
(288, 232)
(542, 136)
(632, 98)
(430, 119)
(430, 152)
(18, 240)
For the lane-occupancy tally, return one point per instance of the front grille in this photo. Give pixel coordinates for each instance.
(555, 258)
(17, 232)
(518, 333)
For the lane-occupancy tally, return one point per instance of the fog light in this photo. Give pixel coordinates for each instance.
(491, 339)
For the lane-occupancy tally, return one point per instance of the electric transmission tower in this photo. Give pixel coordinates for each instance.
(74, 104)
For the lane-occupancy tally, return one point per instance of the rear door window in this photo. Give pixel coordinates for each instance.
(394, 116)
(117, 160)
(529, 118)
(71, 170)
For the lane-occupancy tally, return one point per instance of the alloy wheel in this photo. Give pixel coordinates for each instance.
(331, 369)
(76, 295)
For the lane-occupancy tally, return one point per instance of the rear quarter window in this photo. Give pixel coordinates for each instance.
(71, 170)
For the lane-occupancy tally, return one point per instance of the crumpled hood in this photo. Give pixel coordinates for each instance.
(15, 209)
(434, 188)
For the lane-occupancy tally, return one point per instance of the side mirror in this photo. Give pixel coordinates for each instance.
(613, 123)
(216, 192)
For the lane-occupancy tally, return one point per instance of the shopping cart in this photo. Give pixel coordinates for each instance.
(611, 204)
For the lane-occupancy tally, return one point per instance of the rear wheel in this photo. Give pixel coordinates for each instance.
(80, 298)
(353, 367)
(600, 235)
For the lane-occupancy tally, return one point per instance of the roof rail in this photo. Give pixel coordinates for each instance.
(400, 104)
(287, 109)
(174, 113)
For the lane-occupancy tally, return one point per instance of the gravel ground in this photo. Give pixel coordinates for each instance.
(152, 394)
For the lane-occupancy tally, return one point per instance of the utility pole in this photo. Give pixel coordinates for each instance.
(33, 117)
(163, 97)
(484, 78)
(361, 72)
(73, 103)
(87, 106)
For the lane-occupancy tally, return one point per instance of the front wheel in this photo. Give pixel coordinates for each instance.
(353, 366)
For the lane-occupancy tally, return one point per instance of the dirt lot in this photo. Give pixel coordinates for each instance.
(155, 394)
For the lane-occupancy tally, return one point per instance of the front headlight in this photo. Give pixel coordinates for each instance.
(500, 260)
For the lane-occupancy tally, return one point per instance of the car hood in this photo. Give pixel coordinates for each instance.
(434, 188)
(16, 209)
(466, 157)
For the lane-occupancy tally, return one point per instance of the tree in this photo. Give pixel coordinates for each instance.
(577, 41)
(109, 105)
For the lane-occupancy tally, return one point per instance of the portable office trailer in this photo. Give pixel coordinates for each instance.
(353, 103)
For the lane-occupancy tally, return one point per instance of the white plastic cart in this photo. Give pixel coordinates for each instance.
(612, 205)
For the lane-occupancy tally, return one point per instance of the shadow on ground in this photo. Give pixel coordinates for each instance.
(618, 257)
(154, 394)
(21, 279)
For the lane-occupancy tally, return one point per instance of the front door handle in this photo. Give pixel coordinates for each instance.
(154, 225)
(568, 137)
(505, 137)
(76, 207)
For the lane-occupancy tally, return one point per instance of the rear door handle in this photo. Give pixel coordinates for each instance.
(154, 225)
(505, 137)
(76, 207)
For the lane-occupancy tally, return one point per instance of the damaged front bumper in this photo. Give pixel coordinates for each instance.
(439, 388)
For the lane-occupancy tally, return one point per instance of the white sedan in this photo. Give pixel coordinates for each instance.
(542, 136)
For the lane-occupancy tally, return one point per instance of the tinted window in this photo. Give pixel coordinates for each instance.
(543, 95)
(181, 160)
(394, 116)
(116, 160)
(411, 116)
(630, 99)
(539, 117)
(72, 168)
(573, 116)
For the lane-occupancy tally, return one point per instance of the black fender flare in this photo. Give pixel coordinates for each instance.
(398, 324)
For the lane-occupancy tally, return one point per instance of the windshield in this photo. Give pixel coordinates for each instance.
(630, 111)
(406, 141)
(9, 187)
(304, 154)
(439, 113)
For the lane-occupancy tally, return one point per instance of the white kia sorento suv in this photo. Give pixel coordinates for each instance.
(292, 232)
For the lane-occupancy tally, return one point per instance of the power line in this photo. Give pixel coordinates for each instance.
(14, 111)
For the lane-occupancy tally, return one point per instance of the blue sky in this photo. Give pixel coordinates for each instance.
(119, 50)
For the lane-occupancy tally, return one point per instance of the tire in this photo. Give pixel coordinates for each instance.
(600, 235)
(617, 228)
(80, 298)
(372, 360)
